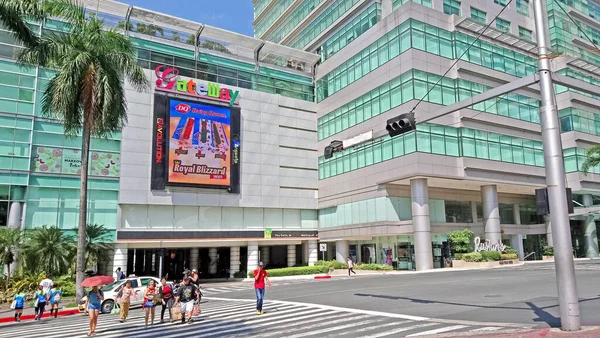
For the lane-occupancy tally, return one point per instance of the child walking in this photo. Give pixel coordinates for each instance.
(55, 296)
(40, 302)
(20, 297)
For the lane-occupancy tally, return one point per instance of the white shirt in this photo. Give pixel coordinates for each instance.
(46, 284)
(350, 264)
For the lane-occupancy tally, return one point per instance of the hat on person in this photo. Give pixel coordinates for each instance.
(195, 270)
(186, 279)
(260, 263)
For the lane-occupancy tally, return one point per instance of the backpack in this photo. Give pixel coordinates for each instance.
(57, 296)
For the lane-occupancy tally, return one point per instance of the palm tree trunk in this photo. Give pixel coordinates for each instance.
(81, 237)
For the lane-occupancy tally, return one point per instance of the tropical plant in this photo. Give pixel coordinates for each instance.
(149, 29)
(97, 244)
(13, 14)
(49, 250)
(461, 241)
(548, 250)
(125, 25)
(191, 40)
(592, 159)
(175, 36)
(87, 94)
(10, 243)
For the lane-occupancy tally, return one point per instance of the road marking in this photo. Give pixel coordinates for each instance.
(336, 328)
(319, 319)
(402, 329)
(368, 328)
(486, 329)
(436, 331)
(333, 308)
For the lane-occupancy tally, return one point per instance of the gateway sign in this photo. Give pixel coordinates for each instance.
(167, 79)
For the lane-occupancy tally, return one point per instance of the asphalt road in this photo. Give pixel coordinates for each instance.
(525, 294)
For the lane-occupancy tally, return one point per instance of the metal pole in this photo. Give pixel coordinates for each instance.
(160, 261)
(555, 178)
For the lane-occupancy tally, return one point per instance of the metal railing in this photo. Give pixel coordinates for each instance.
(529, 255)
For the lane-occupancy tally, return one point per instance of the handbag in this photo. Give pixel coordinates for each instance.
(196, 310)
(176, 313)
(116, 310)
(35, 304)
(13, 305)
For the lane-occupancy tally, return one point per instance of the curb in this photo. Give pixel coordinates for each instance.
(322, 277)
(66, 312)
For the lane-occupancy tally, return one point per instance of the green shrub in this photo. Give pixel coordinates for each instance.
(332, 264)
(548, 250)
(489, 256)
(508, 256)
(378, 267)
(459, 256)
(239, 274)
(322, 263)
(302, 270)
(67, 285)
(508, 250)
(473, 257)
(461, 241)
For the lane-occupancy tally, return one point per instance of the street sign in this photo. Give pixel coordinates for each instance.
(323, 247)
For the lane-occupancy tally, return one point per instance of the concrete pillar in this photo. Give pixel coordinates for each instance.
(304, 253)
(590, 237)
(252, 256)
(474, 211)
(313, 252)
(265, 255)
(386, 8)
(491, 213)
(212, 254)
(120, 260)
(549, 240)
(234, 260)
(516, 241)
(194, 258)
(291, 255)
(421, 224)
(342, 251)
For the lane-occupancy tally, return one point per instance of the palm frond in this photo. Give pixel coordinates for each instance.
(592, 159)
(13, 14)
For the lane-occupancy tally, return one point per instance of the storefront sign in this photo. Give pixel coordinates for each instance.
(488, 245)
(167, 79)
(268, 233)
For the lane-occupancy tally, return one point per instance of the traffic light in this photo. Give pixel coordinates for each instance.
(333, 147)
(401, 124)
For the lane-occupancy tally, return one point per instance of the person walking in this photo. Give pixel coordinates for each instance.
(186, 294)
(150, 296)
(260, 276)
(93, 304)
(165, 293)
(120, 274)
(19, 298)
(350, 266)
(124, 299)
(46, 283)
(41, 297)
(55, 296)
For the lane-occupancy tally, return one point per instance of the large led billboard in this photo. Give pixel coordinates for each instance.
(196, 144)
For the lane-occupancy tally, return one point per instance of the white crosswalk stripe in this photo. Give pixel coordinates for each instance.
(237, 318)
(210, 290)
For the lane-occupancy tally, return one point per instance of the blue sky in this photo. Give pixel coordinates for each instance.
(233, 15)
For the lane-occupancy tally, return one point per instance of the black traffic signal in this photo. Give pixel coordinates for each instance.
(333, 147)
(401, 124)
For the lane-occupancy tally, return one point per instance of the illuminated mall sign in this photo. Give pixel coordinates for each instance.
(167, 79)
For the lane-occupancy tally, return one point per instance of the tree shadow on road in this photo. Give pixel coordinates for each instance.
(539, 311)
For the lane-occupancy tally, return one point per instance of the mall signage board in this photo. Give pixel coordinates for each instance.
(168, 80)
(195, 144)
(487, 245)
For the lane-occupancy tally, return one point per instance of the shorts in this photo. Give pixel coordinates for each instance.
(187, 306)
(52, 302)
(18, 308)
(94, 307)
(148, 304)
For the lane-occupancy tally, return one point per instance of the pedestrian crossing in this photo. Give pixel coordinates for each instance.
(237, 318)
(209, 289)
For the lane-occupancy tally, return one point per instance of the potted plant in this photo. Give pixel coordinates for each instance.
(547, 252)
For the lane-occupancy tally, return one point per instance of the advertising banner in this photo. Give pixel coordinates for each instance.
(68, 161)
(195, 144)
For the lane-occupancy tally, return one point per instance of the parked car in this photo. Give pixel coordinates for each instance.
(111, 290)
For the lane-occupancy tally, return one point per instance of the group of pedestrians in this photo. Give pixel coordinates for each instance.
(47, 292)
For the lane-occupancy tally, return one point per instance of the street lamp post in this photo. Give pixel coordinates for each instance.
(555, 178)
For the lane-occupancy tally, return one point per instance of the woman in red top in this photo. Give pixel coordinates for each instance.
(165, 293)
(150, 295)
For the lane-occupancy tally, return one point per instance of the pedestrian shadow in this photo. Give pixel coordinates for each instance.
(539, 311)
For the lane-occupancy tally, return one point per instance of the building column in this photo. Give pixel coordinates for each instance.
(291, 255)
(120, 260)
(194, 258)
(234, 260)
(313, 252)
(304, 253)
(212, 254)
(549, 240)
(590, 235)
(474, 211)
(15, 215)
(491, 213)
(342, 251)
(421, 224)
(516, 241)
(265, 255)
(386, 8)
(252, 256)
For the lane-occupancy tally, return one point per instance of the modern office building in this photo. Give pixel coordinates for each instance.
(216, 167)
(394, 200)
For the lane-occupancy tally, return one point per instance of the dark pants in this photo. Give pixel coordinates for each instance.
(168, 305)
(39, 309)
(260, 295)
(351, 269)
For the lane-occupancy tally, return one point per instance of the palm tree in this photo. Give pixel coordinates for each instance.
(592, 159)
(97, 244)
(87, 94)
(12, 14)
(10, 244)
(49, 250)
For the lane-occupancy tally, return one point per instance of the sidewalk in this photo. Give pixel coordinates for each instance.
(8, 315)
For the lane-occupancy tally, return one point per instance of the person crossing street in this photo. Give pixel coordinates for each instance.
(260, 276)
